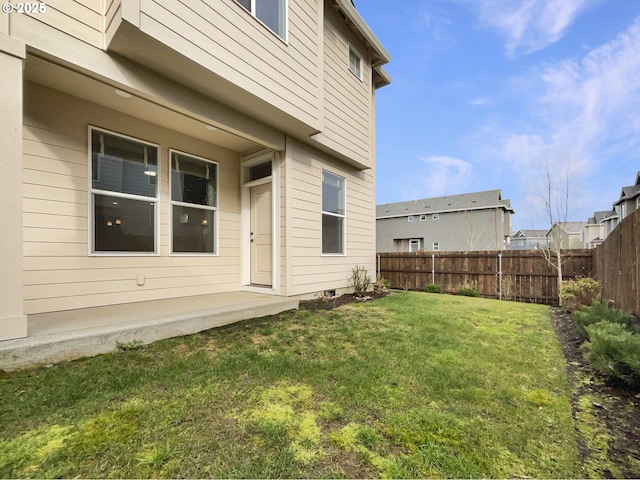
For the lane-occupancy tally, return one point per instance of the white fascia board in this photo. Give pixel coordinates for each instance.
(431, 212)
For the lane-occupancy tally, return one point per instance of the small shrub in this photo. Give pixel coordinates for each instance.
(577, 293)
(613, 349)
(360, 281)
(406, 282)
(381, 286)
(468, 292)
(433, 288)
(600, 311)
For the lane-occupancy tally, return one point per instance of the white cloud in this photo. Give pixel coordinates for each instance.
(530, 25)
(443, 175)
(481, 102)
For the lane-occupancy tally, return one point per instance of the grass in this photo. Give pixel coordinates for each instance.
(412, 385)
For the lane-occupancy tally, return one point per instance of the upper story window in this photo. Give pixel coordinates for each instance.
(423, 218)
(355, 62)
(124, 194)
(411, 218)
(436, 216)
(272, 13)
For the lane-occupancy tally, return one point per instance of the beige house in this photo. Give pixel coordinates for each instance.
(155, 149)
(566, 235)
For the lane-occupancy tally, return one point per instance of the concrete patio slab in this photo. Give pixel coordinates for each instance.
(61, 336)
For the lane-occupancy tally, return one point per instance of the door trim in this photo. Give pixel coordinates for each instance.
(245, 200)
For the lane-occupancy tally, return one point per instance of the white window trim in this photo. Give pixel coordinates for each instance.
(436, 246)
(216, 215)
(359, 75)
(252, 12)
(92, 191)
(344, 217)
(423, 218)
(414, 241)
(411, 218)
(435, 216)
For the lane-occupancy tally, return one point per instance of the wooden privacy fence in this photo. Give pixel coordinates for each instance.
(616, 264)
(524, 276)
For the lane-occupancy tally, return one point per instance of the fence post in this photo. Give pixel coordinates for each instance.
(433, 268)
(378, 268)
(500, 276)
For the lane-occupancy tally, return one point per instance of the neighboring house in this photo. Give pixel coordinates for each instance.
(528, 240)
(629, 199)
(593, 231)
(567, 235)
(610, 221)
(157, 150)
(470, 221)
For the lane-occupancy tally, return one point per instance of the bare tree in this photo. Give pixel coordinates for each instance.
(556, 201)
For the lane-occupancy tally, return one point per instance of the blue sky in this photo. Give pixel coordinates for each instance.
(486, 93)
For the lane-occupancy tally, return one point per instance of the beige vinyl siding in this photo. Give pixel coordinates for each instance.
(226, 39)
(112, 17)
(81, 19)
(348, 102)
(310, 270)
(283, 224)
(59, 272)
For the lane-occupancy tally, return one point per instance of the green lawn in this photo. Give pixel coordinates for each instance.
(412, 385)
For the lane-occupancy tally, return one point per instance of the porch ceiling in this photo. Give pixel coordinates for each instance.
(73, 83)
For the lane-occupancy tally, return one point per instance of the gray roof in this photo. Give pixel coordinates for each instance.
(571, 227)
(598, 217)
(530, 233)
(449, 203)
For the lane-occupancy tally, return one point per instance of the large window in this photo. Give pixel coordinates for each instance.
(194, 204)
(124, 193)
(333, 214)
(273, 13)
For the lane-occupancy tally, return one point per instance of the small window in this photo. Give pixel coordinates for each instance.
(194, 204)
(262, 170)
(435, 216)
(414, 244)
(411, 218)
(423, 218)
(272, 13)
(333, 213)
(436, 246)
(355, 62)
(123, 194)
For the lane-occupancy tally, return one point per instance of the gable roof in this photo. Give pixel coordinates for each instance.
(569, 227)
(631, 192)
(530, 233)
(598, 217)
(449, 203)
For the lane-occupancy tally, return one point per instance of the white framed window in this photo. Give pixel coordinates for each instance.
(423, 218)
(124, 194)
(411, 218)
(638, 202)
(355, 62)
(414, 244)
(435, 216)
(271, 13)
(194, 204)
(333, 214)
(436, 246)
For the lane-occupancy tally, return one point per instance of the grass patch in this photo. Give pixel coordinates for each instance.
(408, 386)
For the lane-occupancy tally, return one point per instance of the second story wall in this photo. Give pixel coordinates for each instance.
(347, 104)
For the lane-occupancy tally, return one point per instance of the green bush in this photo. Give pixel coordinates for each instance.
(613, 349)
(360, 280)
(433, 288)
(600, 311)
(468, 292)
(577, 293)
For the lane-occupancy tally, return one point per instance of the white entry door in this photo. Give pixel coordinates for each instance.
(261, 235)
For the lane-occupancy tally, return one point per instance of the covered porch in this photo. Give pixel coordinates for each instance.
(68, 335)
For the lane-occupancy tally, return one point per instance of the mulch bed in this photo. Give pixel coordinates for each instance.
(614, 402)
(337, 301)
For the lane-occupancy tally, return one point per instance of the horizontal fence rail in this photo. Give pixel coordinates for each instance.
(519, 275)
